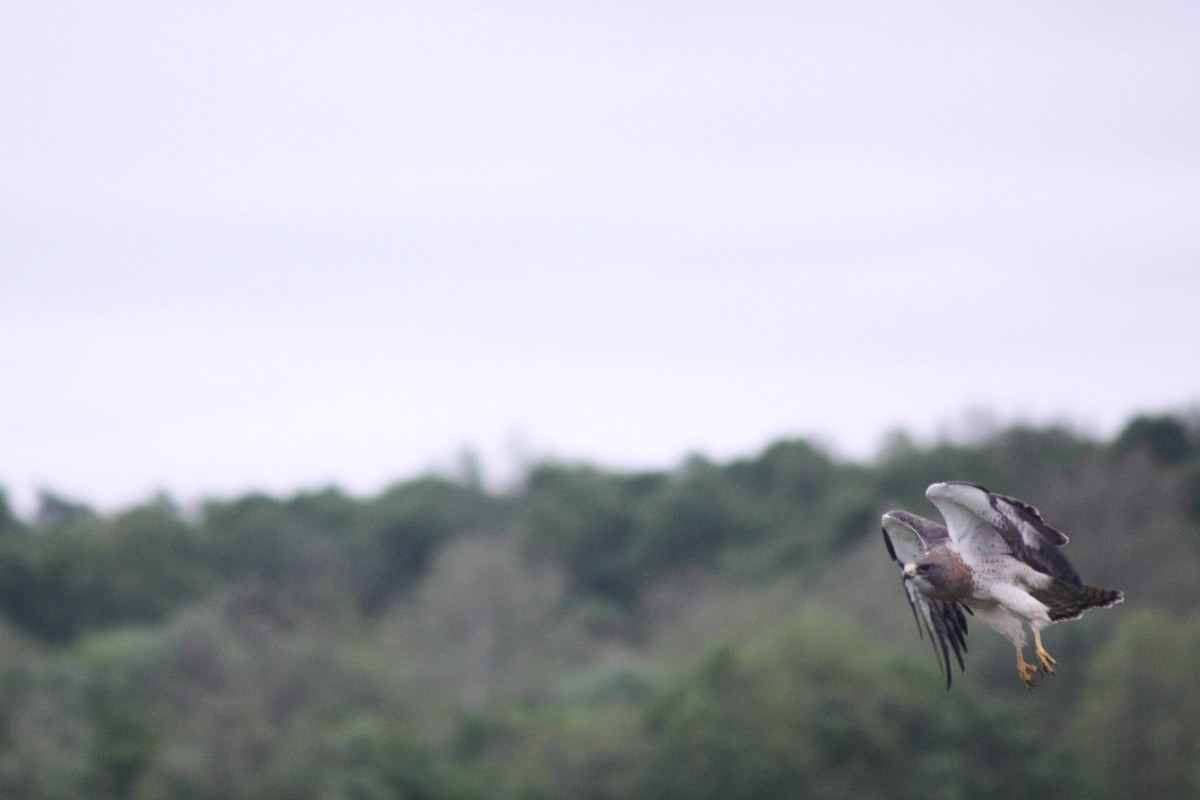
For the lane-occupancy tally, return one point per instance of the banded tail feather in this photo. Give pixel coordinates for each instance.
(1068, 601)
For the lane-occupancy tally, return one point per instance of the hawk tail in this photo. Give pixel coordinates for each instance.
(1068, 601)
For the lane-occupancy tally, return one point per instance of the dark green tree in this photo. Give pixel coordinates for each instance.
(820, 711)
(583, 518)
(406, 526)
(1138, 722)
(1164, 438)
(696, 513)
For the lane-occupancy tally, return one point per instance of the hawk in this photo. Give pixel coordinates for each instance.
(994, 559)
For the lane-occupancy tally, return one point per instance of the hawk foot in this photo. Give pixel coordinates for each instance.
(1026, 671)
(1047, 660)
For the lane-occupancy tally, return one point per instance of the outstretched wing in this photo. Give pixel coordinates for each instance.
(981, 523)
(907, 536)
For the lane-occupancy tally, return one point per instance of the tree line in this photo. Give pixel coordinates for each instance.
(709, 630)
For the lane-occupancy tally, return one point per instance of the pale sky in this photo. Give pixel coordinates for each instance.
(273, 246)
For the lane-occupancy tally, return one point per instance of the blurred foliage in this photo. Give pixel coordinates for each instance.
(712, 630)
(10, 524)
(1163, 438)
(817, 710)
(1137, 721)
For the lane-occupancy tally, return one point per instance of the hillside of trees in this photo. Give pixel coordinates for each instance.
(714, 630)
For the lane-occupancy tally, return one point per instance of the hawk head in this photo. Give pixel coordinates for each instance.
(938, 574)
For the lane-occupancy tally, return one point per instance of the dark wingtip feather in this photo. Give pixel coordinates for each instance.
(887, 540)
(945, 622)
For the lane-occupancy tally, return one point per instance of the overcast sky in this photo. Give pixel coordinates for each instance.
(272, 246)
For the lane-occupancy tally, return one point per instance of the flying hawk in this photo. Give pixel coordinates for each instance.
(995, 559)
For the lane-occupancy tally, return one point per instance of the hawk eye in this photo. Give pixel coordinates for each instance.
(923, 568)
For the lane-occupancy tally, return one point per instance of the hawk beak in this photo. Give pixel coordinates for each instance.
(910, 570)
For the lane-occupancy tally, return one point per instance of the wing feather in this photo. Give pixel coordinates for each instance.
(1034, 542)
(907, 536)
(981, 522)
(946, 625)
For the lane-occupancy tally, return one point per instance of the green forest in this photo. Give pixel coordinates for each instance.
(727, 630)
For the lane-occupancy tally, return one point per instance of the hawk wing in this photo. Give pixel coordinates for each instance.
(982, 523)
(907, 536)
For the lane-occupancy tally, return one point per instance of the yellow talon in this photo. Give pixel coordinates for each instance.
(1025, 670)
(1047, 660)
